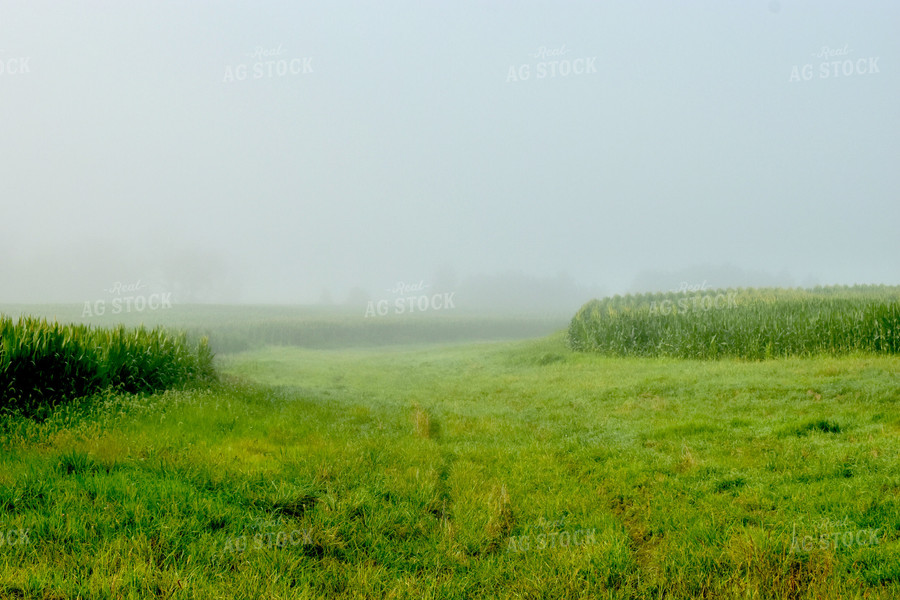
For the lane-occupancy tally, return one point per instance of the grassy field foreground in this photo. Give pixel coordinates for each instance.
(515, 469)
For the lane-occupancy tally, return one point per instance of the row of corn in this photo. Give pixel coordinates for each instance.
(745, 323)
(44, 363)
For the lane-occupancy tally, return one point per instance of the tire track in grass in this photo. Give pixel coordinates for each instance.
(426, 427)
(643, 541)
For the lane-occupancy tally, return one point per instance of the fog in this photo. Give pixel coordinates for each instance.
(308, 152)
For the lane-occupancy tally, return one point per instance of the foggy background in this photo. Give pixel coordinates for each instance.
(419, 142)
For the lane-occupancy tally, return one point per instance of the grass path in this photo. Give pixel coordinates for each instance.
(516, 469)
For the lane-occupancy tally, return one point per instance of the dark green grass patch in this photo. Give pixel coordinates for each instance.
(819, 425)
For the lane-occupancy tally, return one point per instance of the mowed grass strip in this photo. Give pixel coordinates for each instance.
(459, 472)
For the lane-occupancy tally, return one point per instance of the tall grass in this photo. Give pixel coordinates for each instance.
(45, 363)
(745, 323)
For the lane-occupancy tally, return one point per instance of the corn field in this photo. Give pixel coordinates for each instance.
(45, 363)
(744, 323)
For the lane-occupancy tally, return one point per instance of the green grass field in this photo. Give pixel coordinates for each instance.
(514, 469)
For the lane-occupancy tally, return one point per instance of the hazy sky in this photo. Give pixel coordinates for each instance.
(266, 151)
